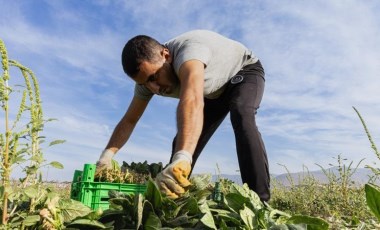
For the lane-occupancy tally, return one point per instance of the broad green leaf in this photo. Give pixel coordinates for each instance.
(112, 217)
(247, 215)
(312, 223)
(72, 209)
(31, 220)
(56, 142)
(153, 194)
(147, 209)
(234, 188)
(152, 222)
(178, 221)
(207, 219)
(373, 199)
(86, 224)
(94, 215)
(170, 208)
(226, 215)
(190, 207)
(125, 203)
(201, 195)
(31, 191)
(235, 201)
(246, 192)
(56, 164)
(262, 219)
(222, 224)
(17, 220)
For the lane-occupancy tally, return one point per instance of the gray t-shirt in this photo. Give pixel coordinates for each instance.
(222, 57)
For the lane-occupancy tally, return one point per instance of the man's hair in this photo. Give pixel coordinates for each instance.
(138, 49)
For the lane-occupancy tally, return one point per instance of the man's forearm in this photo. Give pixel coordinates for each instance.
(120, 135)
(190, 107)
(189, 122)
(124, 128)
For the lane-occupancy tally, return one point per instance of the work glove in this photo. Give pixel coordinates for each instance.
(173, 179)
(105, 161)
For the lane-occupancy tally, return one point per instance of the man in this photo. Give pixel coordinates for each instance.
(212, 76)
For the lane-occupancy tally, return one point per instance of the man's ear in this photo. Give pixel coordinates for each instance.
(165, 52)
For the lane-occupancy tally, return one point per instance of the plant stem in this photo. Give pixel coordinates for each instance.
(5, 156)
(373, 146)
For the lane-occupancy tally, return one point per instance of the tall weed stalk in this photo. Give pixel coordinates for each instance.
(20, 142)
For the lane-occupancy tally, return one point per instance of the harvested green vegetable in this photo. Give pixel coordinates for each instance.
(135, 173)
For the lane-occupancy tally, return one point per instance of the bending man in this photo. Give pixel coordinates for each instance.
(212, 76)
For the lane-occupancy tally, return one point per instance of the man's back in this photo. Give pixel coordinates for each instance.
(222, 57)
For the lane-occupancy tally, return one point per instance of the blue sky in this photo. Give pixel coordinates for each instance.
(321, 58)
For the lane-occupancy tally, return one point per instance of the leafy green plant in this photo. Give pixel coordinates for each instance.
(240, 208)
(52, 212)
(20, 144)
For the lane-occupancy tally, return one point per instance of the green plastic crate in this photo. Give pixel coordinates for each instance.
(95, 194)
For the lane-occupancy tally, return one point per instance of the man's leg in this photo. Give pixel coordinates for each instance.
(244, 100)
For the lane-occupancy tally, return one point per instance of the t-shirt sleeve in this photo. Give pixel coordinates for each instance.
(192, 51)
(142, 92)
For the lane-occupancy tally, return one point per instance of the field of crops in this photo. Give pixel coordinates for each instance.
(331, 202)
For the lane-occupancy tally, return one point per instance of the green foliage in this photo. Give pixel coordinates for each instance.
(239, 209)
(373, 199)
(143, 168)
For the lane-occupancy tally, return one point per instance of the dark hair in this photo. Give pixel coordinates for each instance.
(138, 49)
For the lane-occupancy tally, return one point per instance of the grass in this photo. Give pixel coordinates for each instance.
(340, 201)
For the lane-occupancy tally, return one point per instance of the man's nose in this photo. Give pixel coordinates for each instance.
(153, 87)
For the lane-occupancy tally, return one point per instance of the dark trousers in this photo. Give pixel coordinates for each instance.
(241, 100)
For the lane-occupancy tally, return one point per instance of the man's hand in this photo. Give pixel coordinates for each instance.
(105, 161)
(173, 179)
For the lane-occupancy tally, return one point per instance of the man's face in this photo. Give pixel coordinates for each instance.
(158, 77)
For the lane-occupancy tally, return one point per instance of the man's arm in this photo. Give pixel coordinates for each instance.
(121, 133)
(190, 107)
(124, 128)
(174, 178)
